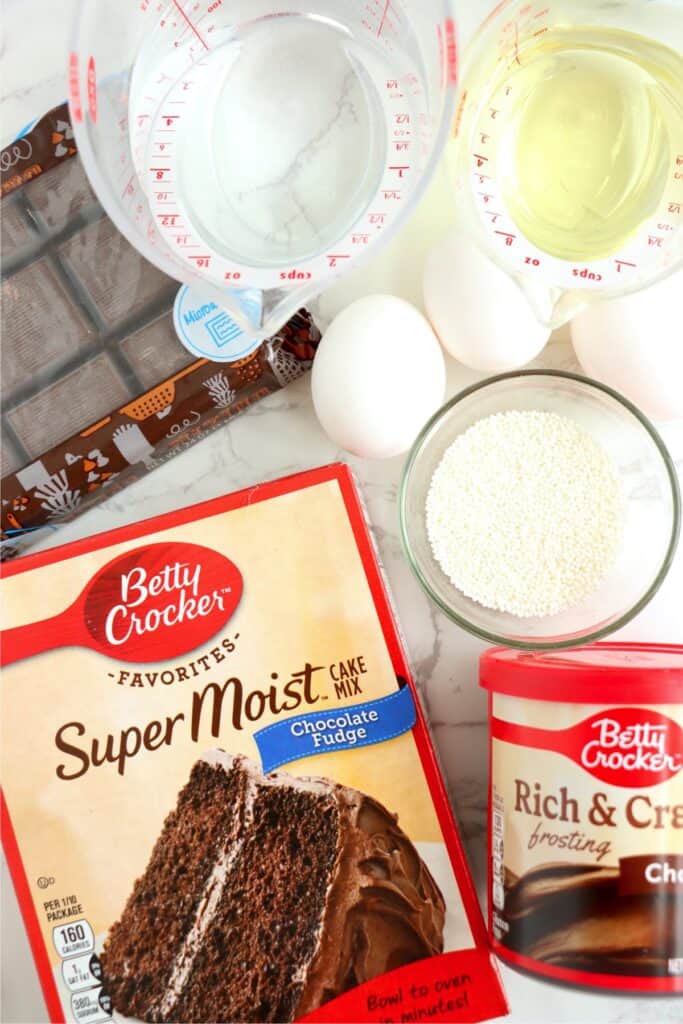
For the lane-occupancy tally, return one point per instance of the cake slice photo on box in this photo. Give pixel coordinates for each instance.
(233, 810)
(292, 890)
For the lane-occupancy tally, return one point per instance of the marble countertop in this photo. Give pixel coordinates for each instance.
(281, 435)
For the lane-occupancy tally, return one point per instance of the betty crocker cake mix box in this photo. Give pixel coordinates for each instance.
(221, 802)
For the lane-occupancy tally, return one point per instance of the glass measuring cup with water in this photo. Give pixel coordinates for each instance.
(569, 146)
(254, 149)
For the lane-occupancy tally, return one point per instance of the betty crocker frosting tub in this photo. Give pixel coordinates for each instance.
(586, 814)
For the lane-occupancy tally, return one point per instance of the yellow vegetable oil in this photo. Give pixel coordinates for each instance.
(593, 120)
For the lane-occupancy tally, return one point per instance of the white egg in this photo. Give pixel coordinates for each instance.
(481, 316)
(635, 345)
(377, 377)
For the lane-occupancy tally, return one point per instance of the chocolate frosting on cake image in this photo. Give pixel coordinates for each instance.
(576, 916)
(266, 896)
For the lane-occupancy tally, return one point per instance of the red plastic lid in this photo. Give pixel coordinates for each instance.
(611, 673)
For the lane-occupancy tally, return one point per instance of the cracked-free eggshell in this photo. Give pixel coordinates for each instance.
(378, 376)
(634, 344)
(480, 315)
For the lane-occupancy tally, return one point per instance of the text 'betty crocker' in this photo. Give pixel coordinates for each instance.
(232, 809)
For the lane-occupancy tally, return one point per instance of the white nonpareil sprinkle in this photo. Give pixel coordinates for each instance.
(525, 513)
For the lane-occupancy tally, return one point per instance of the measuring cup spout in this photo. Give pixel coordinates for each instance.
(552, 307)
(253, 314)
(262, 312)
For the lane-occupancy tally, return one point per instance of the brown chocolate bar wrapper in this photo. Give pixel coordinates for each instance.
(86, 325)
(49, 142)
(110, 454)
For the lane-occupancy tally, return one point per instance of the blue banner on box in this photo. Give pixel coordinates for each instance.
(325, 731)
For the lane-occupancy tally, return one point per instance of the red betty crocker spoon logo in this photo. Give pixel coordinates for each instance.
(630, 747)
(150, 604)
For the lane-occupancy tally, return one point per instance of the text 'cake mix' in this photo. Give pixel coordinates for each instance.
(221, 800)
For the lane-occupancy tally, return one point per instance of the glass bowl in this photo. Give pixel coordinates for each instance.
(652, 500)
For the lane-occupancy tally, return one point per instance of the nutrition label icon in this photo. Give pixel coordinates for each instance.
(82, 971)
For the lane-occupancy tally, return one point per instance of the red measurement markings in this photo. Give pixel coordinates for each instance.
(507, 237)
(190, 24)
(129, 190)
(168, 220)
(484, 138)
(333, 258)
(654, 241)
(377, 218)
(624, 263)
(400, 169)
(495, 217)
(159, 172)
(540, 14)
(481, 178)
(486, 196)
(92, 89)
(665, 227)
(585, 274)
(200, 261)
(360, 239)
(481, 160)
(451, 51)
(674, 208)
(385, 15)
(391, 194)
(75, 88)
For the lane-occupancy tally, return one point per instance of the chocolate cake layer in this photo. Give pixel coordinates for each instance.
(141, 949)
(309, 889)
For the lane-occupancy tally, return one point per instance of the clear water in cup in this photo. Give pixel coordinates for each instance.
(281, 140)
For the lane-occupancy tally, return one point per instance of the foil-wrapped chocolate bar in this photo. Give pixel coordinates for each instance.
(96, 387)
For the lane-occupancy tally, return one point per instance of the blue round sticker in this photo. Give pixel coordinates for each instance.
(206, 330)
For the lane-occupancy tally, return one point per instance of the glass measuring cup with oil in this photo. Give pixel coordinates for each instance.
(569, 146)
